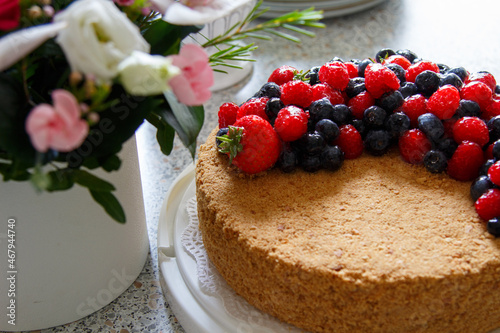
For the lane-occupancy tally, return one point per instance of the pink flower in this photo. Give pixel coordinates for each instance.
(10, 13)
(192, 86)
(124, 3)
(57, 127)
(196, 3)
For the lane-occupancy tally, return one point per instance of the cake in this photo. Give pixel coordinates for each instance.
(377, 243)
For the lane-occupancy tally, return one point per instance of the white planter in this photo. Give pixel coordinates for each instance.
(71, 259)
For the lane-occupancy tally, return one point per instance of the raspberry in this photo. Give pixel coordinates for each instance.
(282, 75)
(335, 74)
(291, 123)
(494, 173)
(352, 69)
(380, 80)
(227, 114)
(478, 92)
(398, 60)
(297, 92)
(413, 145)
(444, 102)
(322, 90)
(471, 129)
(419, 67)
(350, 142)
(492, 110)
(414, 106)
(465, 163)
(256, 106)
(483, 77)
(488, 205)
(358, 104)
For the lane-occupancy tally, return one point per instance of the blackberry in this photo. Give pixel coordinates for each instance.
(435, 161)
(483, 171)
(479, 187)
(432, 126)
(288, 159)
(374, 117)
(311, 163)
(408, 89)
(332, 158)
(341, 114)
(362, 66)
(427, 82)
(493, 226)
(320, 109)
(459, 71)
(384, 54)
(397, 123)
(390, 101)
(313, 75)
(328, 129)
(494, 128)
(220, 132)
(411, 56)
(355, 86)
(312, 143)
(269, 89)
(451, 79)
(399, 71)
(273, 106)
(377, 142)
(468, 108)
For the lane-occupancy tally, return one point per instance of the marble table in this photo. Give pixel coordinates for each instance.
(454, 32)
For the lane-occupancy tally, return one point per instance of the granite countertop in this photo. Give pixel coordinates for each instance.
(454, 32)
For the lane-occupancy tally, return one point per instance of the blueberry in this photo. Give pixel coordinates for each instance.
(494, 128)
(339, 59)
(483, 170)
(360, 126)
(443, 68)
(427, 82)
(313, 75)
(496, 150)
(390, 101)
(408, 89)
(479, 187)
(288, 159)
(312, 143)
(411, 56)
(220, 132)
(377, 142)
(435, 161)
(269, 89)
(328, 129)
(384, 54)
(493, 226)
(320, 109)
(468, 108)
(332, 158)
(497, 89)
(459, 71)
(273, 106)
(311, 163)
(341, 114)
(451, 79)
(374, 117)
(399, 71)
(432, 126)
(447, 146)
(362, 66)
(355, 86)
(397, 123)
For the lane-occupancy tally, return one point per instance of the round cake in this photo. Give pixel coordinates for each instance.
(360, 196)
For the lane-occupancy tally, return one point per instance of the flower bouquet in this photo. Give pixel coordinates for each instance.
(78, 78)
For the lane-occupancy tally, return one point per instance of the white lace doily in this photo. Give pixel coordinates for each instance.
(212, 284)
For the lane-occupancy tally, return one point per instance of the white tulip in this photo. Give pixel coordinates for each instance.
(98, 37)
(142, 74)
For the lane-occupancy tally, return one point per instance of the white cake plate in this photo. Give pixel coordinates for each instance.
(196, 311)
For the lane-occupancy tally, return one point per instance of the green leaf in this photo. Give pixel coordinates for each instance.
(165, 134)
(166, 38)
(60, 180)
(110, 204)
(113, 163)
(92, 182)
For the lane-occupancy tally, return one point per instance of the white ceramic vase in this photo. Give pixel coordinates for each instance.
(67, 257)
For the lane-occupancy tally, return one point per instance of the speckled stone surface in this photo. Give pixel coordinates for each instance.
(455, 32)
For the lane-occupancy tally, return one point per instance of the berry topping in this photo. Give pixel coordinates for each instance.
(269, 89)
(419, 67)
(332, 158)
(380, 80)
(413, 145)
(484, 77)
(359, 103)
(323, 90)
(478, 92)
(297, 92)
(427, 82)
(414, 106)
(492, 109)
(350, 142)
(444, 102)
(397, 123)
(398, 60)
(374, 117)
(328, 129)
(479, 187)
(335, 74)
(254, 106)
(488, 205)
(227, 114)
(494, 173)
(291, 123)
(465, 163)
(282, 75)
(471, 129)
(435, 161)
(377, 142)
(468, 109)
(432, 126)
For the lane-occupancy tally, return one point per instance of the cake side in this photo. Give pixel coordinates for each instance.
(292, 245)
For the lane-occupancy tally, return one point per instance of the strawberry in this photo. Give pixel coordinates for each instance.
(471, 129)
(419, 67)
(252, 144)
(360, 103)
(484, 77)
(297, 92)
(291, 123)
(413, 145)
(444, 102)
(322, 90)
(488, 205)
(380, 80)
(282, 75)
(227, 114)
(335, 74)
(414, 106)
(350, 142)
(256, 106)
(398, 60)
(465, 163)
(478, 92)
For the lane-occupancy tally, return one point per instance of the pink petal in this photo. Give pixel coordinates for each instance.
(66, 106)
(38, 125)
